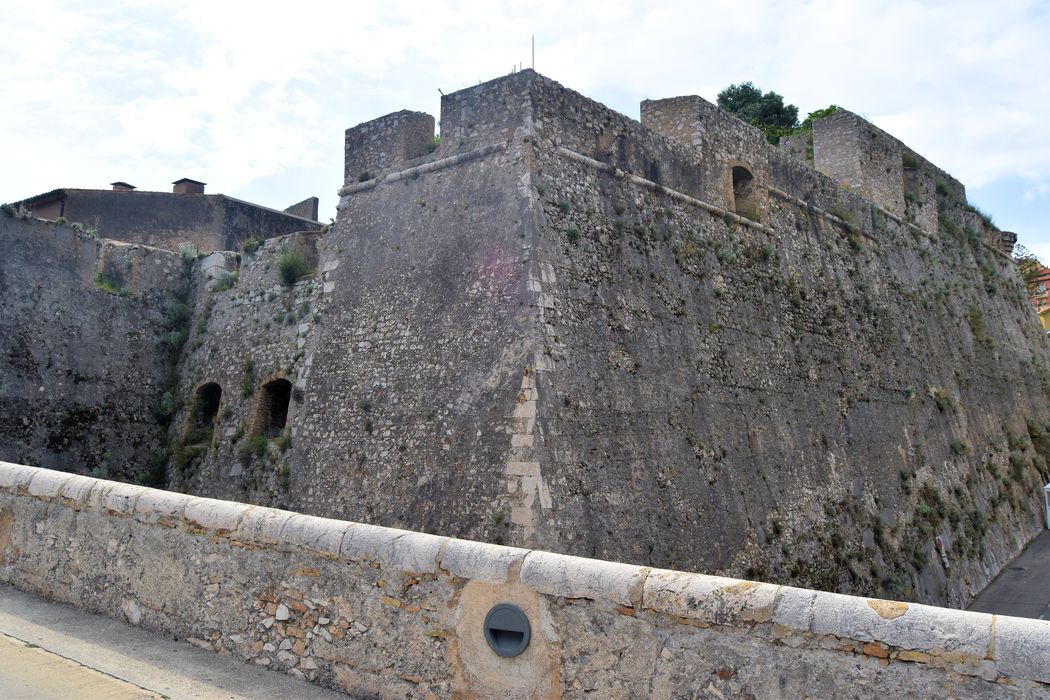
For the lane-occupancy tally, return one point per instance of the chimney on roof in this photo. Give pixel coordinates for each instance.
(188, 186)
(122, 186)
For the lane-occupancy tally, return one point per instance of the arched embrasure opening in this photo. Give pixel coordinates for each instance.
(272, 410)
(206, 405)
(745, 193)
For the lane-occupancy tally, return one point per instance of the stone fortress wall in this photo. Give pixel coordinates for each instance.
(82, 368)
(558, 330)
(663, 342)
(697, 337)
(378, 612)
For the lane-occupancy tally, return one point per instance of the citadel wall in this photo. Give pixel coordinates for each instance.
(555, 330)
(82, 365)
(561, 329)
(387, 613)
(706, 369)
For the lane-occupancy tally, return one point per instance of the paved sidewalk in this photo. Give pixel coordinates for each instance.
(27, 671)
(1022, 589)
(50, 650)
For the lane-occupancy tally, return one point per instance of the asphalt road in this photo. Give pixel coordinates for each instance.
(50, 650)
(1022, 589)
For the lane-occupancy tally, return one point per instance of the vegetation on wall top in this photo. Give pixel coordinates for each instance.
(767, 111)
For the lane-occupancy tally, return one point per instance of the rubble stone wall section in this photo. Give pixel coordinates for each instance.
(389, 613)
(86, 338)
(482, 315)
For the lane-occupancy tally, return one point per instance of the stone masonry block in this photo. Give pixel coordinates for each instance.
(794, 608)
(319, 534)
(262, 526)
(1022, 648)
(714, 599)
(479, 561)
(400, 549)
(12, 476)
(122, 498)
(48, 484)
(154, 504)
(113, 497)
(576, 577)
(904, 625)
(78, 488)
(214, 515)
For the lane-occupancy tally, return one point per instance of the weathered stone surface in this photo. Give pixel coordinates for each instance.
(709, 599)
(567, 329)
(319, 534)
(262, 526)
(481, 562)
(13, 476)
(397, 549)
(1021, 648)
(48, 484)
(375, 620)
(153, 506)
(211, 514)
(78, 488)
(575, 577)
(906, 626)
(83, 368)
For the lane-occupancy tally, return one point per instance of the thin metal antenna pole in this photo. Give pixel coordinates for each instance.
(533, 52)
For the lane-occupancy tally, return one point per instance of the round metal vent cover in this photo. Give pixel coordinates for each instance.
(507, 629)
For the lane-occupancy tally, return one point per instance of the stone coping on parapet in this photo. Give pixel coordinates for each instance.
(427, 167)
(995, 648)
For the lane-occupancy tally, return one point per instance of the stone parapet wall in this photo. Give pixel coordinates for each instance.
(391, 613)
(377, 146)
(860, 156)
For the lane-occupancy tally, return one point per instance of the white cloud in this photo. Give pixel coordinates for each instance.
(1037, 191)
(237, 94)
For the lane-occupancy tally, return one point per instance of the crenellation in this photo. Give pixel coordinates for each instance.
(384, 144)
(488, 113)
(860, 156)
(721, 142)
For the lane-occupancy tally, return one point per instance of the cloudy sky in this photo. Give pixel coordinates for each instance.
(253, 98)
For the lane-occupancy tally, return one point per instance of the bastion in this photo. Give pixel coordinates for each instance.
(661, 342)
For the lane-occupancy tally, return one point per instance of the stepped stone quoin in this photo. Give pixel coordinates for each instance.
(663, 342)
(375, 611)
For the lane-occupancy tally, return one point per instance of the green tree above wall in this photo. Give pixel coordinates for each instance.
(807, 123)
(1027, 264)
(766, 111)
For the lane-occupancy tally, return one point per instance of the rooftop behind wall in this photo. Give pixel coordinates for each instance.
(166, 220)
